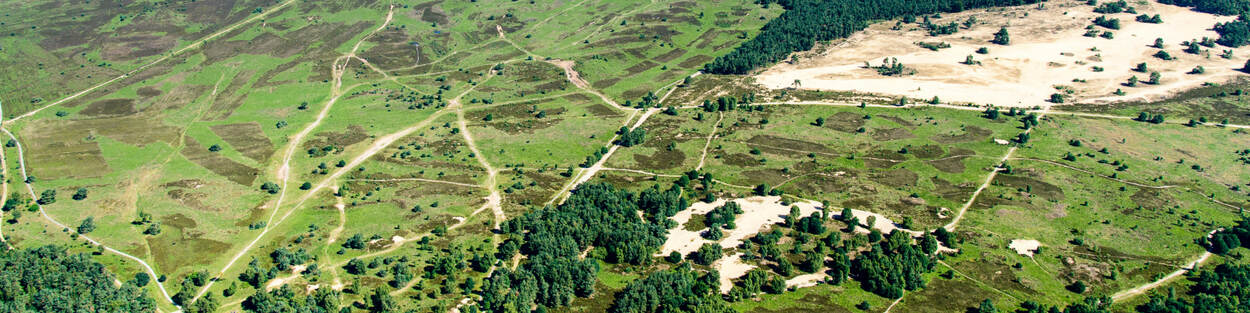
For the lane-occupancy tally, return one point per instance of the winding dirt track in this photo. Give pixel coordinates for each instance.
(31, 189)
(283, 172)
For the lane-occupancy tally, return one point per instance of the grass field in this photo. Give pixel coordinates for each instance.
(200, 136)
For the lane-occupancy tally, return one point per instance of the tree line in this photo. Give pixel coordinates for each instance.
(806, 22)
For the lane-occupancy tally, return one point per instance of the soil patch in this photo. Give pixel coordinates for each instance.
(888, 134)
(926, 151)
(110, 107)
(895, 178)
(247, 138)
(1034, 186)
(845, 122)
(215, 162)
(970, 134)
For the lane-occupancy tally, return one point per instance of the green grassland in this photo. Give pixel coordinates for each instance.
(185, 161)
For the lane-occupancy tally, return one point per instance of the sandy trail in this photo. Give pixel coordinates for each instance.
(377, 146)
(590, 172)
(31, 189)
(494, 200)
(1129, 293)
(988, 179)
(283, 172)
(1048, 49)
(576, 78)
(1096, 174)
(190, 46)
(703, 156)
(4, 195)
(417, 179)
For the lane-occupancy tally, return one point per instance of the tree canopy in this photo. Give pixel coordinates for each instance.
(47, 279)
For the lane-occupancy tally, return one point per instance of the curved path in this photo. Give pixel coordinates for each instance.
(283, 172)
(31, 189)
(1129, 293)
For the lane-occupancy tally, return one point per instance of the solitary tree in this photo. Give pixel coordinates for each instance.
(987, 306)
(87, 225)
(1056, 98)
(81, 194)
(1001, 37)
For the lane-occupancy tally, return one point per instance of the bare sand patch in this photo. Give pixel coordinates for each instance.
(1048, 49)
(1024, 246)
(757, 214)
(805, 280)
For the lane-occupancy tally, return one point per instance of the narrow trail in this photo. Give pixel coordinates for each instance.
(673, 86)
(590, 172)
(1096, 174)
(4, 195)
(336, 283)
(192, 45)
(378, 145)
(703, 157)
(283, 172)
(989, 178)
(494, 200)
(642, 172)
(1121, 117)
(610, 21)
(31, 189)
(342, 208)
(976, 281)
(978, 108)
(548, 19)
(1129, 293)
(896, 302)
(720, 117)
(416, 179)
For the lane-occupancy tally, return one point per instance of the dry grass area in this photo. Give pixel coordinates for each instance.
(1047, 53)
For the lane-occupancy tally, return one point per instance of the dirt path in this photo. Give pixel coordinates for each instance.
(975, 108)
(417, 179)
(628, 170)
(283, 171)
(989, 178)
(378, 145)
(703, 157)
(31, 189)
(609, 21)
(190, 46)
(4, 196)
(548, 19)
(896, 301)
(576, 78)
(1129, 293)
(1096, 174)
(494, 200)
(1121, 117)
(590, 172)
